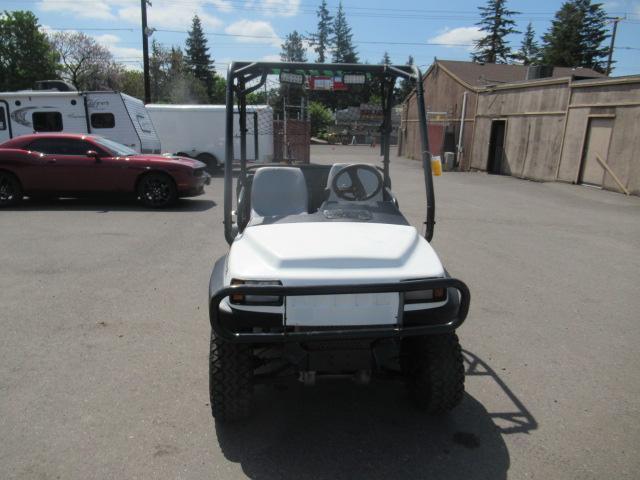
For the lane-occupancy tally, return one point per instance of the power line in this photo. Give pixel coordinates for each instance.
(354, 11)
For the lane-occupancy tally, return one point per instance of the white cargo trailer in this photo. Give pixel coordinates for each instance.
(198, 131)
(113, 115)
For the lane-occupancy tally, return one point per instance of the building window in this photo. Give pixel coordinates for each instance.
(103, 120)
(47, 121)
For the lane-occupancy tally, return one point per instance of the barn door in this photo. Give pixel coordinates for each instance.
(597, 142)
(496, 148)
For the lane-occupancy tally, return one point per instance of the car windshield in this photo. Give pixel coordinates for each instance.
(116, 148)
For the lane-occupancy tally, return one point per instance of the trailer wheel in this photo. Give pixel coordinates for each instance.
(434, 370)
(10, 189)
(210, 160)
(230, 379)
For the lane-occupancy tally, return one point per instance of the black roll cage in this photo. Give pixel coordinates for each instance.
(240, 74)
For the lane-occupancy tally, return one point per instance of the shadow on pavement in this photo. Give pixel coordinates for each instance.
(340, 430)
(108, 204)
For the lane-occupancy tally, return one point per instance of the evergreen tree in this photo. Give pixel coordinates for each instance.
(293, 48)
(594, 33)
(406, 86)
(197, 55)
(576, 35)
(386, 59)
(344, 50)
(529, 53)
(321, 39)
(497, 23)
(25, 54)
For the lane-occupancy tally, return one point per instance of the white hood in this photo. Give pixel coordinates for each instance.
(332, 252)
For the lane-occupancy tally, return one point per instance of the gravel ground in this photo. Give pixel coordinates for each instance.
(104, 345)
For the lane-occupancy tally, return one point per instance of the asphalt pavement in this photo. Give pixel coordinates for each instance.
(105, 334)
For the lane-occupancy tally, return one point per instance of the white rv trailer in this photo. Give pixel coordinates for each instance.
(113, 115)
(198, 131)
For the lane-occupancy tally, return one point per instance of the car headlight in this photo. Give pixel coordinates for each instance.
(426, 296)
(242, 299)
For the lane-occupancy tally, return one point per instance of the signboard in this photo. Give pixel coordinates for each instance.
(321, 83)
(339, 85)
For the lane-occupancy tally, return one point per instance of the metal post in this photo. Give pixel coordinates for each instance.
(242, 104)
(228, 161)
(284, 129)
(145, 52)
(426, 157)
(255, 135)
(385, 138)
(613, 42)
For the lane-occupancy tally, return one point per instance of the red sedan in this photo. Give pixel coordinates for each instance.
(74, 165)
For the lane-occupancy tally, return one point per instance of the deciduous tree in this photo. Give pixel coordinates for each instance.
(25, 54)
(84, 62)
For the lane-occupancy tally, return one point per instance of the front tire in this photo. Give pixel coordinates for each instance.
(230, 379)
(157, 190)
(434, 369)
(10, 190)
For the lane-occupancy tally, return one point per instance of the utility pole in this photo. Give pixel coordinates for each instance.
(145, 50)
(613, 42)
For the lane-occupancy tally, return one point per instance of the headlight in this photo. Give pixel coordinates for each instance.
(425, 296)
(242, 299)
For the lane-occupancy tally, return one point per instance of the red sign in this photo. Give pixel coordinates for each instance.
(338, 85)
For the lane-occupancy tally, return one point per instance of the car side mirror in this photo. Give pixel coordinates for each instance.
(93, 154)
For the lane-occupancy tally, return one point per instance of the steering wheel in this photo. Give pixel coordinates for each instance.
(348, 183)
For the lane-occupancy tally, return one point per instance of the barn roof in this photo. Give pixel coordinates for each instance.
(479, 75)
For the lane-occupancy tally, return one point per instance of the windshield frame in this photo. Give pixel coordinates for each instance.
(115, 148)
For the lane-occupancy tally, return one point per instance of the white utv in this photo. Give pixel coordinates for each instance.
(324, 275)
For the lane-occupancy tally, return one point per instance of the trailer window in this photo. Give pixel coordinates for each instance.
(47, 121)
(3, 122)
(103, 120)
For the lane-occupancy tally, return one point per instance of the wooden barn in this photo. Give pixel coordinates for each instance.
(577, 131)
(451, 96)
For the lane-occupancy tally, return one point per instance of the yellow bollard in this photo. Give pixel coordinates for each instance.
(436, 166)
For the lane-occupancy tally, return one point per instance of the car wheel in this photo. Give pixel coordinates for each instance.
(157, 190)
(10, 190)
(211, 162)
(230, 379)
(434, 368)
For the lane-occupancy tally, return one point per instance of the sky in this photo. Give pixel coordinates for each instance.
(254, 29)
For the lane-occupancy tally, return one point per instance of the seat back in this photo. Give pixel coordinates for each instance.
(278, 191)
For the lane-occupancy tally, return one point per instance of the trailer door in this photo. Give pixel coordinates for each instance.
(5, 128)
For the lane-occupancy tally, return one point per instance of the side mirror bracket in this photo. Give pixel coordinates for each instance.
(95, 155)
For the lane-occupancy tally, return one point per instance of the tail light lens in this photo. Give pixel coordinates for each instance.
(242, 299)
(425, 296)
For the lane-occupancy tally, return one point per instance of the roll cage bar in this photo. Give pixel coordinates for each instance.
(240, 74)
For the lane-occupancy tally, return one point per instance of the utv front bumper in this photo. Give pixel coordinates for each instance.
(241, 326)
